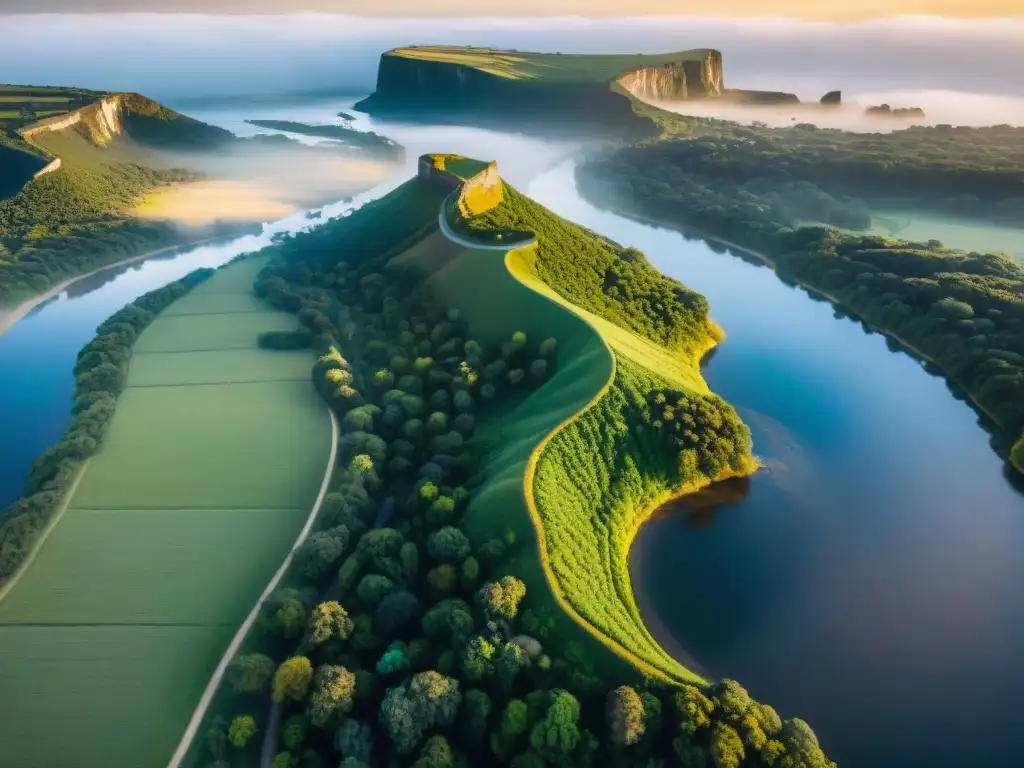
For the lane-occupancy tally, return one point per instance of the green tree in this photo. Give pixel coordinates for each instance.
(509, 659)
(294, 732)
(726, 746)
(284, 760)
(250, 672)
(290, 617)
(694, 709)
(394, 659)
(329, 621)
(448, 620)
(502, 598)
(334, 689)
(514, 721)
(476, 659)
(373, 588)
(476, 706)
(321, 552)
(429, 699)
(354, 740)
(241, 730)
(448, 545)
(396, 611)
(624, 712)
(436, 753)
(557, 735)
(291, 681)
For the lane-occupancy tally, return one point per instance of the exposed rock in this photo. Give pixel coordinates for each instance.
(832, 97)
(884, 110)
(677, 81)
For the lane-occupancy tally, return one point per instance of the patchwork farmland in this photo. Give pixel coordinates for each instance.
(213, 461)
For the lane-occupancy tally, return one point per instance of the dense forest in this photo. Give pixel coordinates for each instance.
(599, 275)
(962, 311)
(396, 639)
(972, 172)
(72, 220)
(101, 372)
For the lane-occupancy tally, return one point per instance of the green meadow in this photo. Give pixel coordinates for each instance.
(212, 462)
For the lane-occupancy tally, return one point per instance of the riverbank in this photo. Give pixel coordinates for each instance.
(10, 316)
(906, 346)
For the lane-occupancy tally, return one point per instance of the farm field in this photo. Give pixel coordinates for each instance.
(213, 460)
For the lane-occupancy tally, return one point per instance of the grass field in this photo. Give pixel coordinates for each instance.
(517, 65)
(499, 294)
(212, 462)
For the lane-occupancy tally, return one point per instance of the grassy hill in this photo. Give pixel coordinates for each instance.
(505, 432)
(69, 180)
(550, 92)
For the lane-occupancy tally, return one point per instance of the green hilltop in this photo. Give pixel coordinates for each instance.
(551, 92)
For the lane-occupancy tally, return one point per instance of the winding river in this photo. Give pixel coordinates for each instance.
(869, 579)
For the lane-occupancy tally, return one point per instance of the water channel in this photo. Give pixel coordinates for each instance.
(868, 579)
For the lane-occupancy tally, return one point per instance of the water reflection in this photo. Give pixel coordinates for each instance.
(698, 510)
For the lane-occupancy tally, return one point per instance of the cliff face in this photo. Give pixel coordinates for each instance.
(677, 82)
(147, 122)
(100, 122)
(453, 92)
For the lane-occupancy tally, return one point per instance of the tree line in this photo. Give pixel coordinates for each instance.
(101, 373)
(962, 310)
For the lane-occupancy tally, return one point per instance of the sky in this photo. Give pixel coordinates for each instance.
(834, 10)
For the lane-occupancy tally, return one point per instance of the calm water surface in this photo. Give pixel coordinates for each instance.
(869, 579)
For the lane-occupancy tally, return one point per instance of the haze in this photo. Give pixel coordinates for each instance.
(183, 56)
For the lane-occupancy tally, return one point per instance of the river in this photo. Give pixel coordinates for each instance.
(868, 579)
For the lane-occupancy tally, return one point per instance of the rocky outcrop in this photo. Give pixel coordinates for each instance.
(677, 81)
(760, 98)
(100, 121)
(832, 98)
(884, 110)
(147, 122)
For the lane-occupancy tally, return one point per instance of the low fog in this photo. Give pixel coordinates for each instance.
(940, 107)
(187, 56)
(259, 184)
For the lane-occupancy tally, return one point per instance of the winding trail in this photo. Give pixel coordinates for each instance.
(236, 642)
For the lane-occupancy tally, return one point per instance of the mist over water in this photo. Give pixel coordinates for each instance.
(940, 107)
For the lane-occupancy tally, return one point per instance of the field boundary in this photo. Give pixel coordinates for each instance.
(51, 524)
(236, 642)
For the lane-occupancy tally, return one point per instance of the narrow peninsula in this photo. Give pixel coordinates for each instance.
(516, 394)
